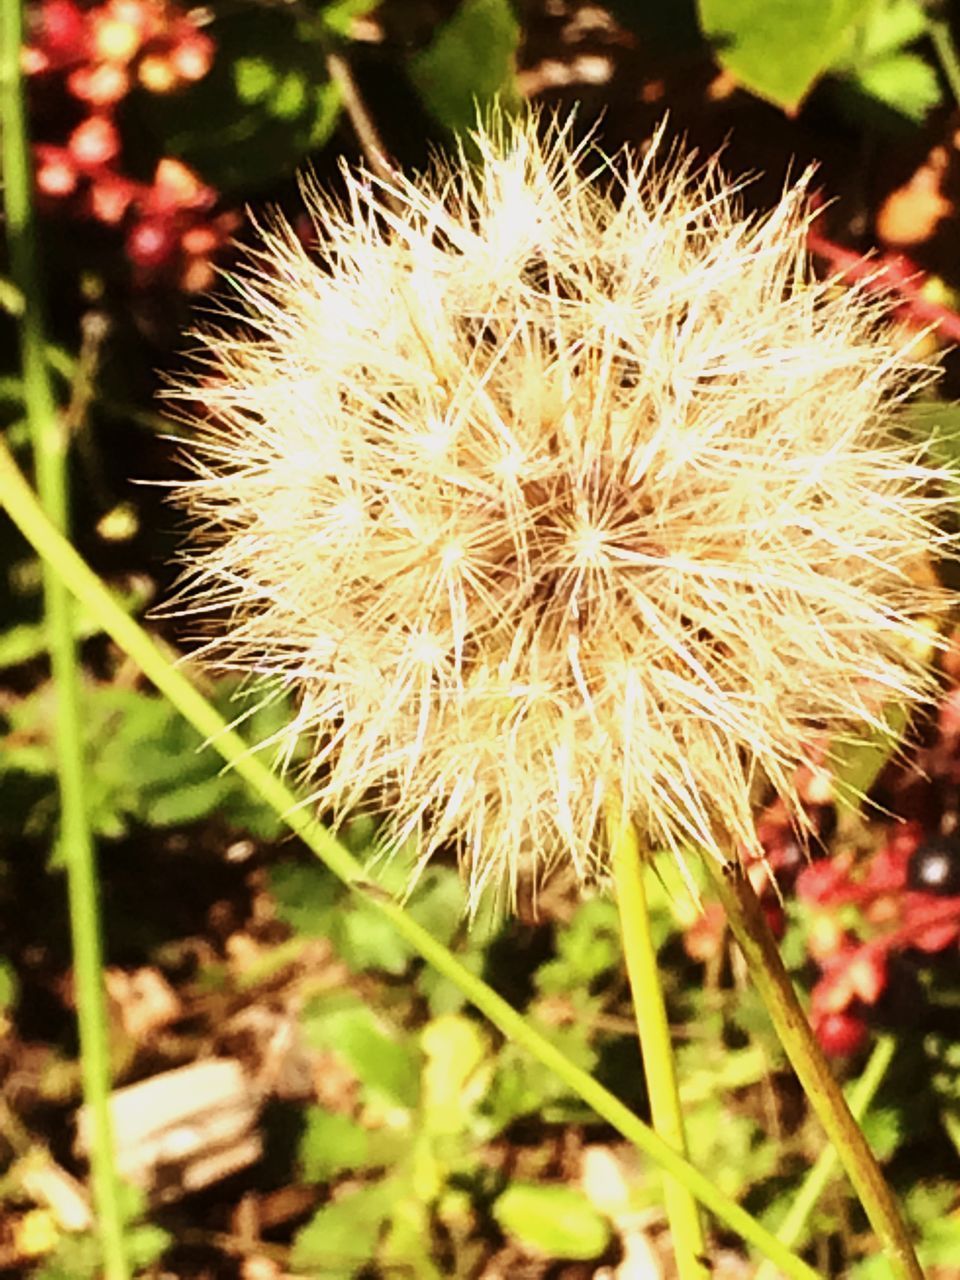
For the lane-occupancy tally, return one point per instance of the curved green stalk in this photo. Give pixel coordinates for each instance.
(653, 1031)
(946, 50)
(794, 1224)
(22, 506)
(749, 925)
(50, 462)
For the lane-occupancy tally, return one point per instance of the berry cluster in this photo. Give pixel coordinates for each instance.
(860, 911)
(906, 898)
(100, 54)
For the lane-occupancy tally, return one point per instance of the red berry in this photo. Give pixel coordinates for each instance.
(192, 54)
(841, 1034)
(56, 174)
(949, 713)
(116, 38)
(63, 33)
(201, 240)
(867, 974)
(824, 881)
(825, 936)
(110, 196)
(177, 187)
(102, 84)
(152, 244)
(197, 275)
(94, 143)
(930, 924)
(887, 872)
(776, 919)
(157, 73)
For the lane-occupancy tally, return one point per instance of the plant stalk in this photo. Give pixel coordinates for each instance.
(749, 925)
(794, 1224)
(50, 462)
(653, 1031)
(945, 47)
(20, 503)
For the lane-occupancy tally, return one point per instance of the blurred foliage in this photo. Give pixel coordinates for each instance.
(779, 49)
(174, 781)
(441, 1143)
(470, 61)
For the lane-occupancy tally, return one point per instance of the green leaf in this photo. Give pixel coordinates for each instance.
(438, 903)
(264, 105)
(145, 1244)
(177, 778)
(332, 1143)
(314, 904)
(186, 804)
(884, 1129)
(470, 63)
(930, 1209)
(731, 1146)
(406, 1249)
(522, 1087)
(9, 984)
(880, 65)
(367, 940)
(857, 765)
(779, 48)
(938, 425)
(455, 1050)
(386, 1067)
(306, 895)
(888, 27)
(29, 639)
(338, 17)
(587, 947)
(442, 995)
(555, 1221)
(343, 1235)
(905, 82)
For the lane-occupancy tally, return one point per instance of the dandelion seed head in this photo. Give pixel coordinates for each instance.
(549, 479)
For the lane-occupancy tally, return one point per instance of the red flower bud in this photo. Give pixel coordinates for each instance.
(110, 196)
(152, 244)
(56, 173)
(94, 143)
(63, 31)
(177, 187)
(841, 1034)
(101, 84)
(192, 55)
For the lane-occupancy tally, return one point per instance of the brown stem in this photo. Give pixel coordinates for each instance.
(749, 925)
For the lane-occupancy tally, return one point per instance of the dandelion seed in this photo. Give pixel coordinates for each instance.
(541, 488)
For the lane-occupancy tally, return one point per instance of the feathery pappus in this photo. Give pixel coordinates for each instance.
(550, 478)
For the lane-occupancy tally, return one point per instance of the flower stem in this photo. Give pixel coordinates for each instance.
(946, 50)
(653, 1031)
(23, 509)
(749, 925)
(50, 461)
(794, 1224)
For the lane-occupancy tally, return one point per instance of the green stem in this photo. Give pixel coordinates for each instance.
(22, 507)
(794, 1224)
(749, 925)
(50, 461)
(946, 51)
(653, 1031)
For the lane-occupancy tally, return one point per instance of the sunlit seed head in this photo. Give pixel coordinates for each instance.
(552, 479)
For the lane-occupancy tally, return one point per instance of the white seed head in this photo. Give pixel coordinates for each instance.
(550, 480)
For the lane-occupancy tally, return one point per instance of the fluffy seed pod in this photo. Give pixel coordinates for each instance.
(546, 488)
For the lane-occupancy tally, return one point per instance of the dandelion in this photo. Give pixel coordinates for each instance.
(551, 480)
